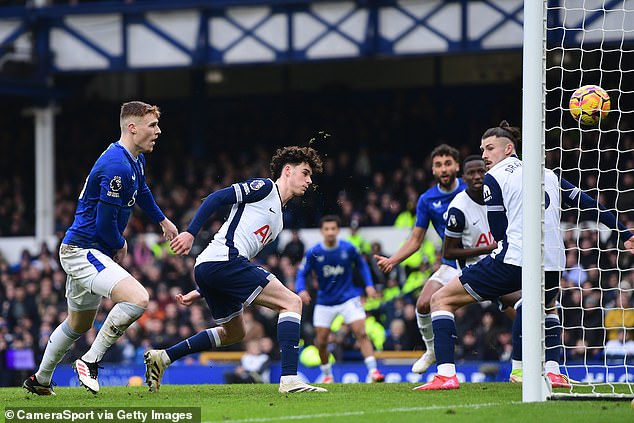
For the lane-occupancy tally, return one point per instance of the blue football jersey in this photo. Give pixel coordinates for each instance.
(432, 207)
(115, 183)
(334, 270)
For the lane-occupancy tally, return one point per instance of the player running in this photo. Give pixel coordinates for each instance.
(94, 246)
(333, 262)
(228, 280)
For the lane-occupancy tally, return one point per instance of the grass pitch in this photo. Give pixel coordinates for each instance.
(481, 402)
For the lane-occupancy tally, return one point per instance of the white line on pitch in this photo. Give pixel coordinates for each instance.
(361, 413)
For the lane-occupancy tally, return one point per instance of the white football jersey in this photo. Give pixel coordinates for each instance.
(467, 220)
(503, 193)
(554, 252)
(255, 220)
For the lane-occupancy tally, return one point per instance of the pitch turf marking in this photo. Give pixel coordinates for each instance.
(363, 413)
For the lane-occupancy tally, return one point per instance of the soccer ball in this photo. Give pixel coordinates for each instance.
(589, 104)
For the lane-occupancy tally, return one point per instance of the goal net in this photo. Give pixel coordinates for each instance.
(592, 42)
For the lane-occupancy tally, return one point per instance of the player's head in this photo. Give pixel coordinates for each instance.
(445, 165)
(473, 171)
(139, 126)
(329, 226)
(499, 142)
(295, 165)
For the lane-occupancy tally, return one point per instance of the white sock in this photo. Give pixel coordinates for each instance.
(288, 378)
(552, 367)
(370, 363)
(326, 369)
(426, 330)
(447, 369)
(120, 317)
(516, 364)
(60, 341)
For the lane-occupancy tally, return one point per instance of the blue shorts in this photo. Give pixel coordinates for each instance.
(229, 285)
(489, 279)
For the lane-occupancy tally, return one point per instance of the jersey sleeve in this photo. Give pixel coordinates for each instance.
(455, 223)
(496, 213)
(214, 201)
(574, 197)
(422, 216)
(146, 201)
(111, 184)
(362, 266)
(304, 270)
(253, 190)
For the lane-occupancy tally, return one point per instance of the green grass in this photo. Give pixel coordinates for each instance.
(481, 402)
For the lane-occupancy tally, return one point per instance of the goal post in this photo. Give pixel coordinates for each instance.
(568, 44)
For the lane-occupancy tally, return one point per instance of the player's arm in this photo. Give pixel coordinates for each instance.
(188, 298)
(364, 271)
(182, 243)
(574, 197)
(496, 212)
(305, 269)
(146, 201)
(413, 243)
(452, 247)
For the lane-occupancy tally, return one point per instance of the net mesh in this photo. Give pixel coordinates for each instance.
(592, 42)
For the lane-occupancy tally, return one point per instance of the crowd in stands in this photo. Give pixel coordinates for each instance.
(366, 183)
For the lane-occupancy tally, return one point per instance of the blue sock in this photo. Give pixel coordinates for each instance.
(288, 338)
(202, 341)
(553, 338)
(517, 335)
(445, 336)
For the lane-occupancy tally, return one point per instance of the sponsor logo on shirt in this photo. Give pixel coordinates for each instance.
(330, 271)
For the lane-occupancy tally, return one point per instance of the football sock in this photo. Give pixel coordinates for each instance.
(445, 339)
(326, 369)
(120, 317)
(202, 341)
(60, 341)
(425, 329)
(553, 342)
(370, 363)
(288, 339)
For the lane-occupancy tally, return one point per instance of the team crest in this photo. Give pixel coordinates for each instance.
(115, 184)
(486, 193)
(257, 184)
(452, 221)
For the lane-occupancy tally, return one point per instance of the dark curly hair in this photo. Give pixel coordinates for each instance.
(504, 130)
(294, 155)
(446, 150)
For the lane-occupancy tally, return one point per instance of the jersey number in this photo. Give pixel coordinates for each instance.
(264, 233)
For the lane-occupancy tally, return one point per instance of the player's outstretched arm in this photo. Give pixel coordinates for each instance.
(410, 246)
(305, 296)
(169, 229)
(182, 244)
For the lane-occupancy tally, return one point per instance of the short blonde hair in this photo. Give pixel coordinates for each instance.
(136, 109)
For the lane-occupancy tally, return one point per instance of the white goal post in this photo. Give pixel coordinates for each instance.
(568, 44)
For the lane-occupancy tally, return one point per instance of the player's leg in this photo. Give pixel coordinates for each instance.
(365, 345)
(277, 297)
(354, 314)
(515, 300)
(423, 320)
(443, 305)
(322, 320)
(553, 340)
(59, 342)
(156, 361)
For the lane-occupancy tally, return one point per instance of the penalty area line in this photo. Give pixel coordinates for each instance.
(363, 413)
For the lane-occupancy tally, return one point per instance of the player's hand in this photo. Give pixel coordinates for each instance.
(120, 253)
(188, 298)
(305, 296)
(371, 292)
(629, 244)
(182, 243)
(384, 263)
(169, 229)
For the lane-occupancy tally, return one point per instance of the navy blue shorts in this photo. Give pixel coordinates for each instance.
(229, 285)
(489, 279)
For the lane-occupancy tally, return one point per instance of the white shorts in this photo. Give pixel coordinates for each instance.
(352, 310)
(91, 275)
(445, 274)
